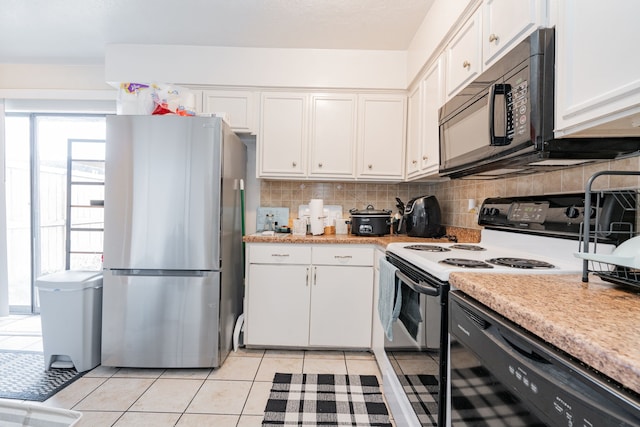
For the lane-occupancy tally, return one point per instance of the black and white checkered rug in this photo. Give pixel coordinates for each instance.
(422, 392)
(325, 400)
(22, 376)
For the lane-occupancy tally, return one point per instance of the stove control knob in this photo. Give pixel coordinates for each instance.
(489, 211)
(572, 212)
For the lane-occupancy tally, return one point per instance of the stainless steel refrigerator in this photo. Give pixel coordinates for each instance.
(173, 286)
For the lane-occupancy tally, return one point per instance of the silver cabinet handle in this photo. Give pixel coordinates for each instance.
(319, 165)
(370, 166)
(294, 164)
(315, 276)
(466, 64)
(280, 255)
(343, 256)
(306, 280)
(493, 38)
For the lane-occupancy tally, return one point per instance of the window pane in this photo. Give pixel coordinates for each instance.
(89, 217)
(87, 171)
(87, 195)
(86, 262)
(86, 241)
(88, 150)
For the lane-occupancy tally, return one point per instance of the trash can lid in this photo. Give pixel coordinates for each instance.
(70, 279)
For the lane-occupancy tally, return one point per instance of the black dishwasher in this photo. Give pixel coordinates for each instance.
(501, 375)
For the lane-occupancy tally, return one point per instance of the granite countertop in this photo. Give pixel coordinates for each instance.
(596, 322)
(464, 235)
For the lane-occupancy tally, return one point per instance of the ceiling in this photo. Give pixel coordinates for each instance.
(77, 31)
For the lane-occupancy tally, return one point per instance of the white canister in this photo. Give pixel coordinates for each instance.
(316, 210)
(299, 227)
(342, 226)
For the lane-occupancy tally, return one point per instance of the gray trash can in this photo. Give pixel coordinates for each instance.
(71, 316)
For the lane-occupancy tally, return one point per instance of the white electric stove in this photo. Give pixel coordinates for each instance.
(521, 235)
(497, 252)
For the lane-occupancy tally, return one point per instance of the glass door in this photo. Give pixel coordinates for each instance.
(38, 197)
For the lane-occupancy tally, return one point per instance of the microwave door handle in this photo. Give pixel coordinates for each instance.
(496, 89)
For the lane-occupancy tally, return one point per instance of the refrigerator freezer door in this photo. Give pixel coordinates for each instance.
(165, 319)
(162, 184)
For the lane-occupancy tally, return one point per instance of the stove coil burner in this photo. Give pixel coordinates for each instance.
(466, 263)
(520, 263)
(427, 248)
(468, 247)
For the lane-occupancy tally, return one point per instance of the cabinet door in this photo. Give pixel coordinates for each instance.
(282, 142)
(333, 136)
(278, 305)
(464, 55)
(341, 307)
(414, 128)
(381, 139)
(432, 99)
(597, 72)
(507, 22)
(237, 105)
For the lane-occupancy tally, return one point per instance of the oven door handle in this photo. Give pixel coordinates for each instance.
(420, 287)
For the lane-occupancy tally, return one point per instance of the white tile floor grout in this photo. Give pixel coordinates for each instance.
(233, 395)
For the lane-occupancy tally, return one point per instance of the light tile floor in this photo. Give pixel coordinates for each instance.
(233, 395)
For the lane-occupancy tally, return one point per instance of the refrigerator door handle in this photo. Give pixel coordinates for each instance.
(159, 272)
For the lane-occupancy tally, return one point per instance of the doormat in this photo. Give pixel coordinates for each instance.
(22, 376)
(325, 400)
(422, 392)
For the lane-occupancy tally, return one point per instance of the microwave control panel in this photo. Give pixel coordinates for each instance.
(517, 106)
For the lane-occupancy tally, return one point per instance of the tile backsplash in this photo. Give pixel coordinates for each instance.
(453, 195)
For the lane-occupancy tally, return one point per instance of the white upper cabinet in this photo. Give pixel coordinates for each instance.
(506, 23)
(333, 136)
(597, 77)
(414, 130)
(282, 142)
(423, 134)
(494, 29)
(432, 99)
(381, 137)
(464, 55)
(238, 105)
(325, 135)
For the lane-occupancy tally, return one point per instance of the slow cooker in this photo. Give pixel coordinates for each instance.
(370, 221)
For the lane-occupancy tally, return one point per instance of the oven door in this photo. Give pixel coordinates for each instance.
(416, 357)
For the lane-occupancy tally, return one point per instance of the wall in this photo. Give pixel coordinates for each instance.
(443, 16)
(211, 65)
(453, 195)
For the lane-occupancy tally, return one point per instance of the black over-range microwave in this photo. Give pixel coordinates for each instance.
(502, 123)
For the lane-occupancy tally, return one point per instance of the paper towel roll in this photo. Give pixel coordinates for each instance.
(316, 209)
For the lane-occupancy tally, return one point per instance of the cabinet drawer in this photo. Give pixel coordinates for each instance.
(279, 254)
(342, 255)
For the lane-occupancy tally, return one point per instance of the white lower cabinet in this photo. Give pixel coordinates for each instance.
(324, 303)
(278, 304)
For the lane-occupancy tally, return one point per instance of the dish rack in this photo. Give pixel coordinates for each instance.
(623, 265)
